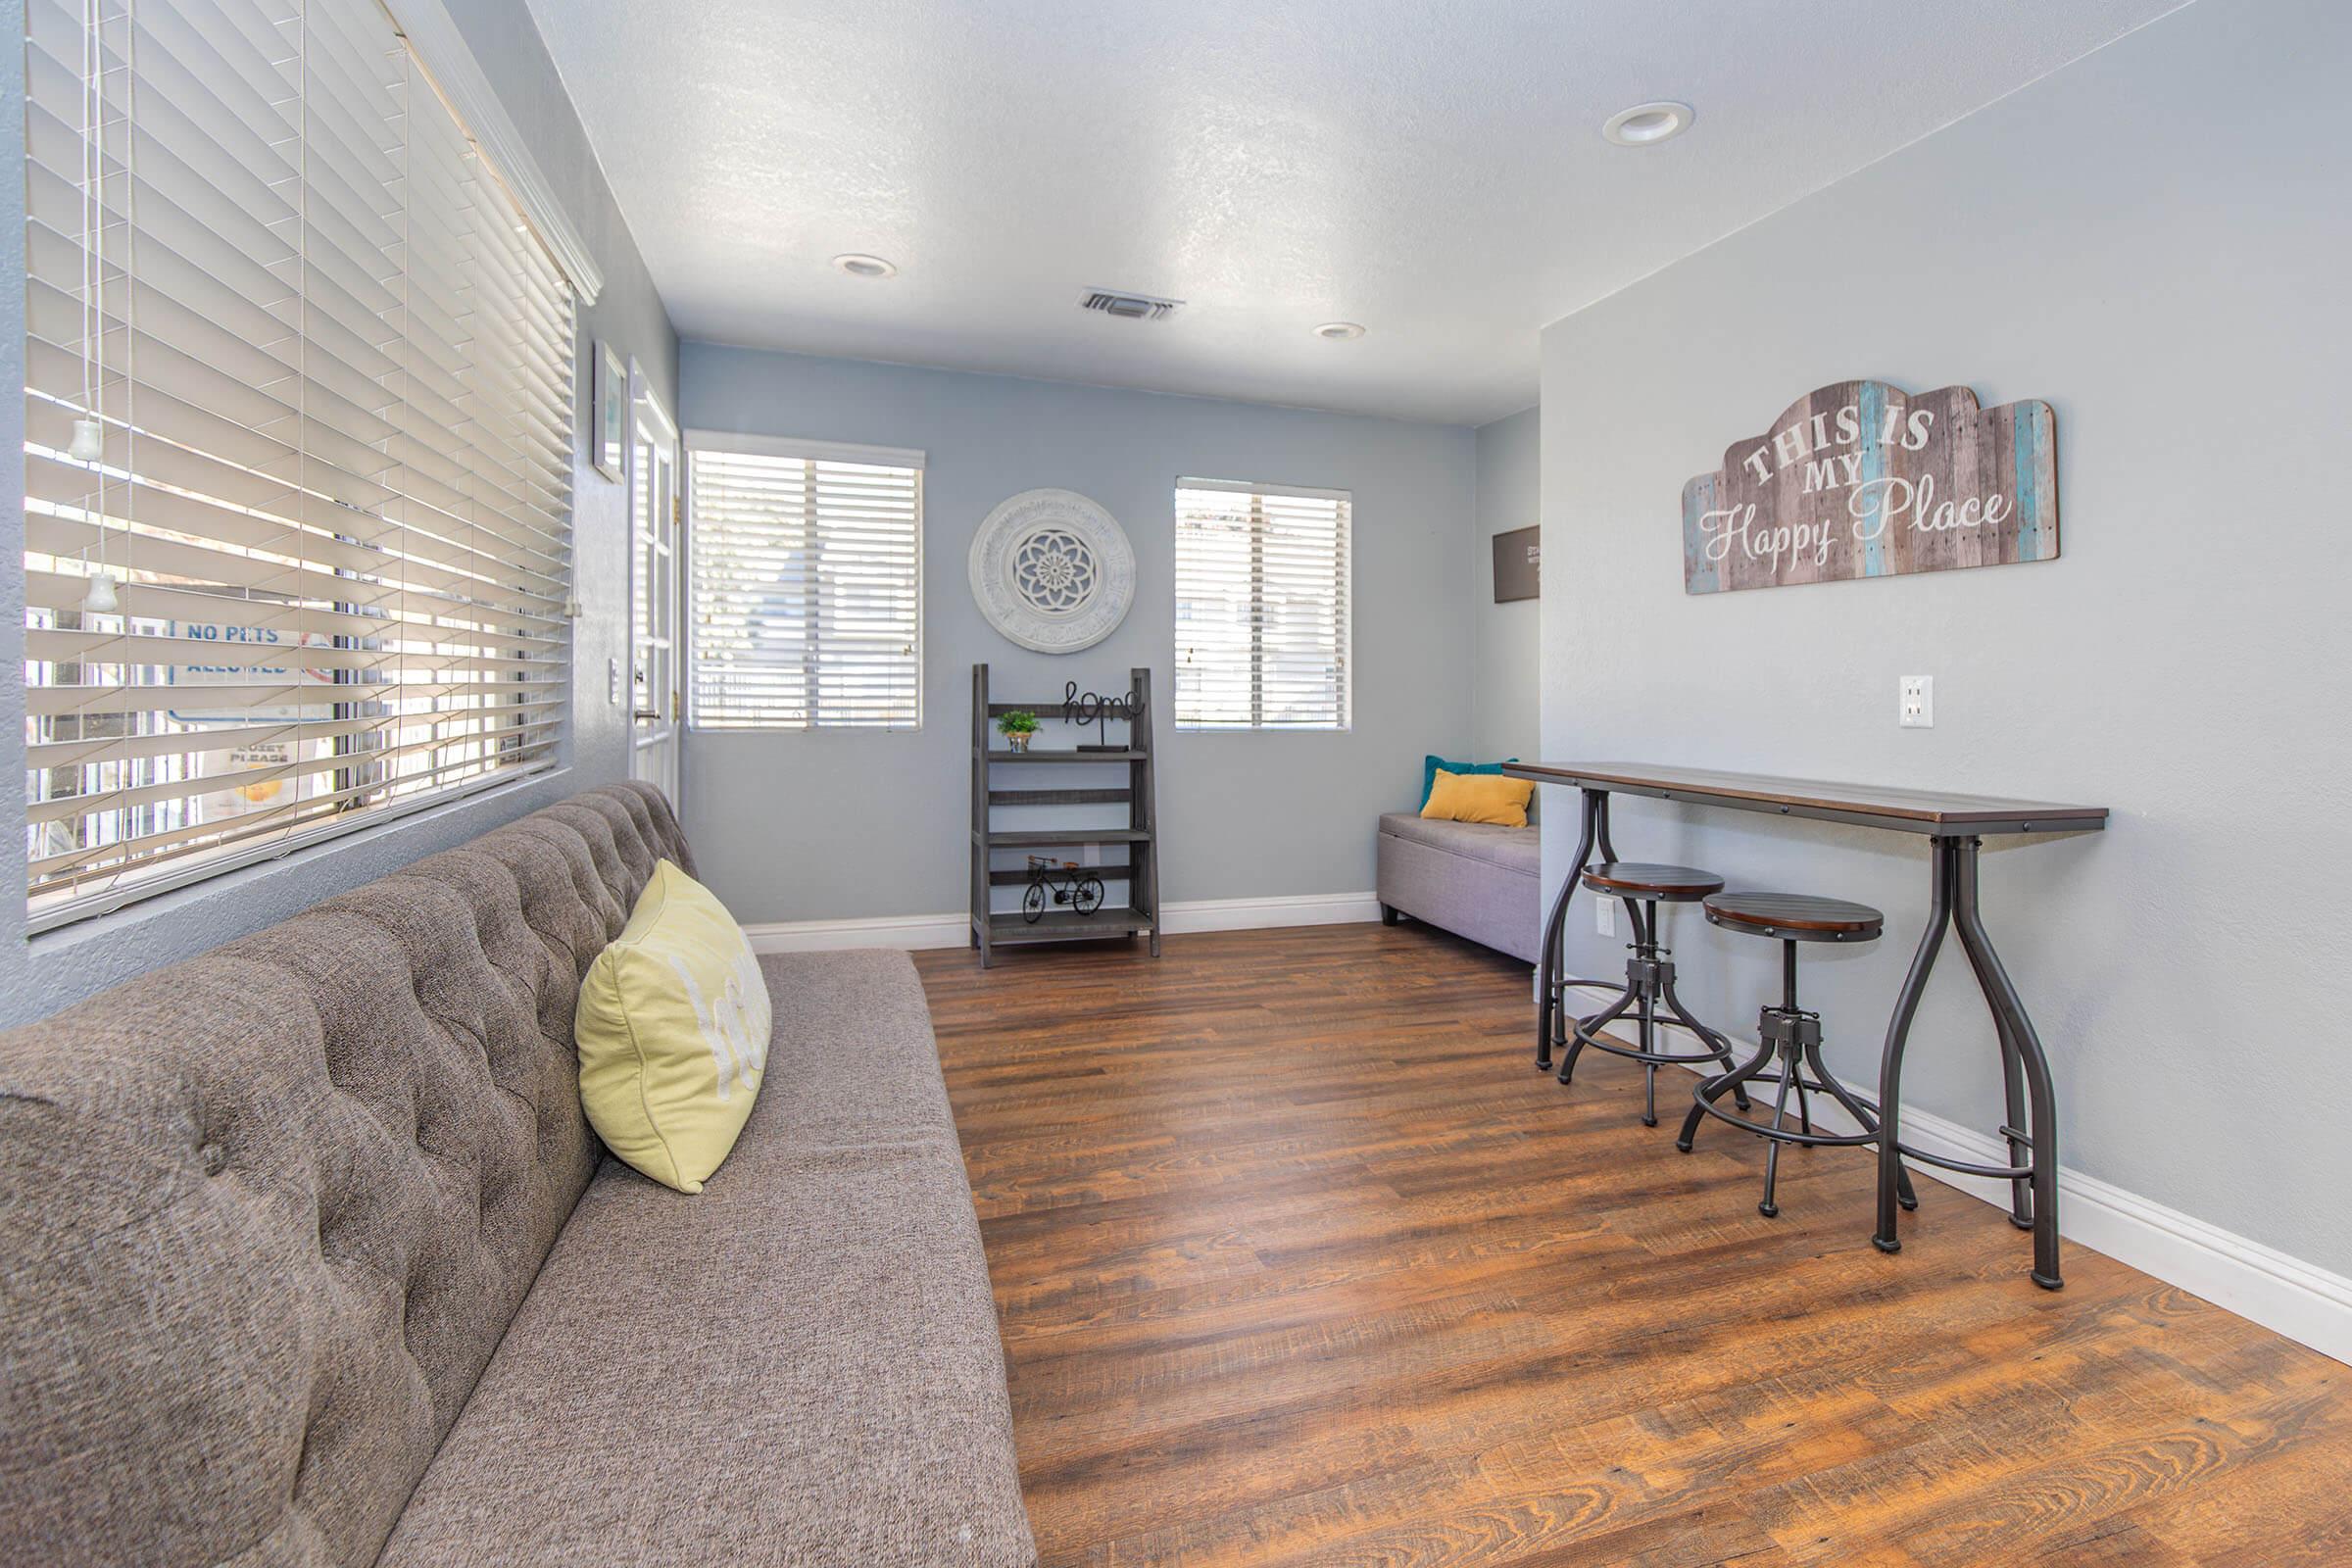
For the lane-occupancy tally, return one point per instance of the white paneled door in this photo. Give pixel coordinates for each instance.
(653, 557)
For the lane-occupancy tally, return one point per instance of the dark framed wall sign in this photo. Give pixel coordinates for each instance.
(1518, 564)
(1863, 479)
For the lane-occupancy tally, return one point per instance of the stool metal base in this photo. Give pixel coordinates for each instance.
(1791, 1046)
(1649, 987)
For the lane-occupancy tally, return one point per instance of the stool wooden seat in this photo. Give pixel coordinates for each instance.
(1794, 916)
(1646, 880)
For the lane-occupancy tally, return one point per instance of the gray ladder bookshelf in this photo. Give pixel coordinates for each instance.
(1003, 777)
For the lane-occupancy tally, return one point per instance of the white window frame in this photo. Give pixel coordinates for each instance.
(1346, 648)
(703, 439)
(436, 39)
(661, 595)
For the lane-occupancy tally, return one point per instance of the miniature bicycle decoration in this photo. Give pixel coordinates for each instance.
(1063, 882)
(1087, 708)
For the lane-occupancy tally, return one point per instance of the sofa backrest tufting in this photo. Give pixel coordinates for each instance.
(264, 1214)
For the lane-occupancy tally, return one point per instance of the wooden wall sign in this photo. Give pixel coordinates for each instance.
(1862, 479)
(1518, 564)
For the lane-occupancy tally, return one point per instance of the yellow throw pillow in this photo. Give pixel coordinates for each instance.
(672, 1027)
(1480, 798)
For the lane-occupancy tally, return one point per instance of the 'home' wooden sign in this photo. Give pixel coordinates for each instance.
(1861, 479)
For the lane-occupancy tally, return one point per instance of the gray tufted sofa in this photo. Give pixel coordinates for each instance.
(308, 1256)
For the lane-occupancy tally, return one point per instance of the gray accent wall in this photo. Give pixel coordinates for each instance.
(1505, 639)
(2155, 240)
(41, 974)
(833, 825)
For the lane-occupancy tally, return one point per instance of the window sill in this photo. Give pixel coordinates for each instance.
(62, 927)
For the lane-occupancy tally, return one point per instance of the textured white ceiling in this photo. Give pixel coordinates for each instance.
(1432, 169)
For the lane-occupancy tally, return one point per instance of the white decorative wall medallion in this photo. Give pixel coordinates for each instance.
(1052, 570)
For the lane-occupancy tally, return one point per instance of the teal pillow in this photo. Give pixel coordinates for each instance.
(1431, 765)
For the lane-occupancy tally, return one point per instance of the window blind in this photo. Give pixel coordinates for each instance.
(1261, 607)
(298, 443)
(806, 563)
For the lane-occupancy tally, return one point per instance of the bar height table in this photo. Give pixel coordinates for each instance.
(1955, 826)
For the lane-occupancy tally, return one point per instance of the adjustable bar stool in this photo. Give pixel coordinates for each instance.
(1791, 1036)
(1648, 976)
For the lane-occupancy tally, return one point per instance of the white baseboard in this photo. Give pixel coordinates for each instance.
(1256, 914)
(914, 932)
(2285, 1295)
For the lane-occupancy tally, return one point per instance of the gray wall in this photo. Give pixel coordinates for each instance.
(836, 824)
(2155, 240)
(41, 974)
(1505, 640)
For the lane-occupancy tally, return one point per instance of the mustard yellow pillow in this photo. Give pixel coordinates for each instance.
(673, 1028)
(1480, 798)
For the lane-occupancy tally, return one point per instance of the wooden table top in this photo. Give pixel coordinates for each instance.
(1936, 813)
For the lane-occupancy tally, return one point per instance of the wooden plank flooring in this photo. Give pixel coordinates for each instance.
(1299, 1261)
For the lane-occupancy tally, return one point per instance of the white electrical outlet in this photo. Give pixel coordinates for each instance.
(1915, 707)
(1604, 917)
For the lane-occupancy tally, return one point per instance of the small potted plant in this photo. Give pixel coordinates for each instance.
(1016, 727)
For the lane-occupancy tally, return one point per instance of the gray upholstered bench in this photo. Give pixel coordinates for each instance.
(310, 1255)
(1473, 879)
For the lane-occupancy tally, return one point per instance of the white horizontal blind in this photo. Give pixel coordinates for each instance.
(1261, 607)
(327, 375)
(806, 569)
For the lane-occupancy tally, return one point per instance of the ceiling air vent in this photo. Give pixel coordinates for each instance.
(1129, 307)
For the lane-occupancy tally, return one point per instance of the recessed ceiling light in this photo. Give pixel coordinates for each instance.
(1340, 331)
(1648, 124)
(859, 265)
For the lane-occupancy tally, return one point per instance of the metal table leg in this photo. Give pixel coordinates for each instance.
(2033, 1171)
(2015, 1130)
(1594, 806)
(1898, 1035)
(2022, 1054)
